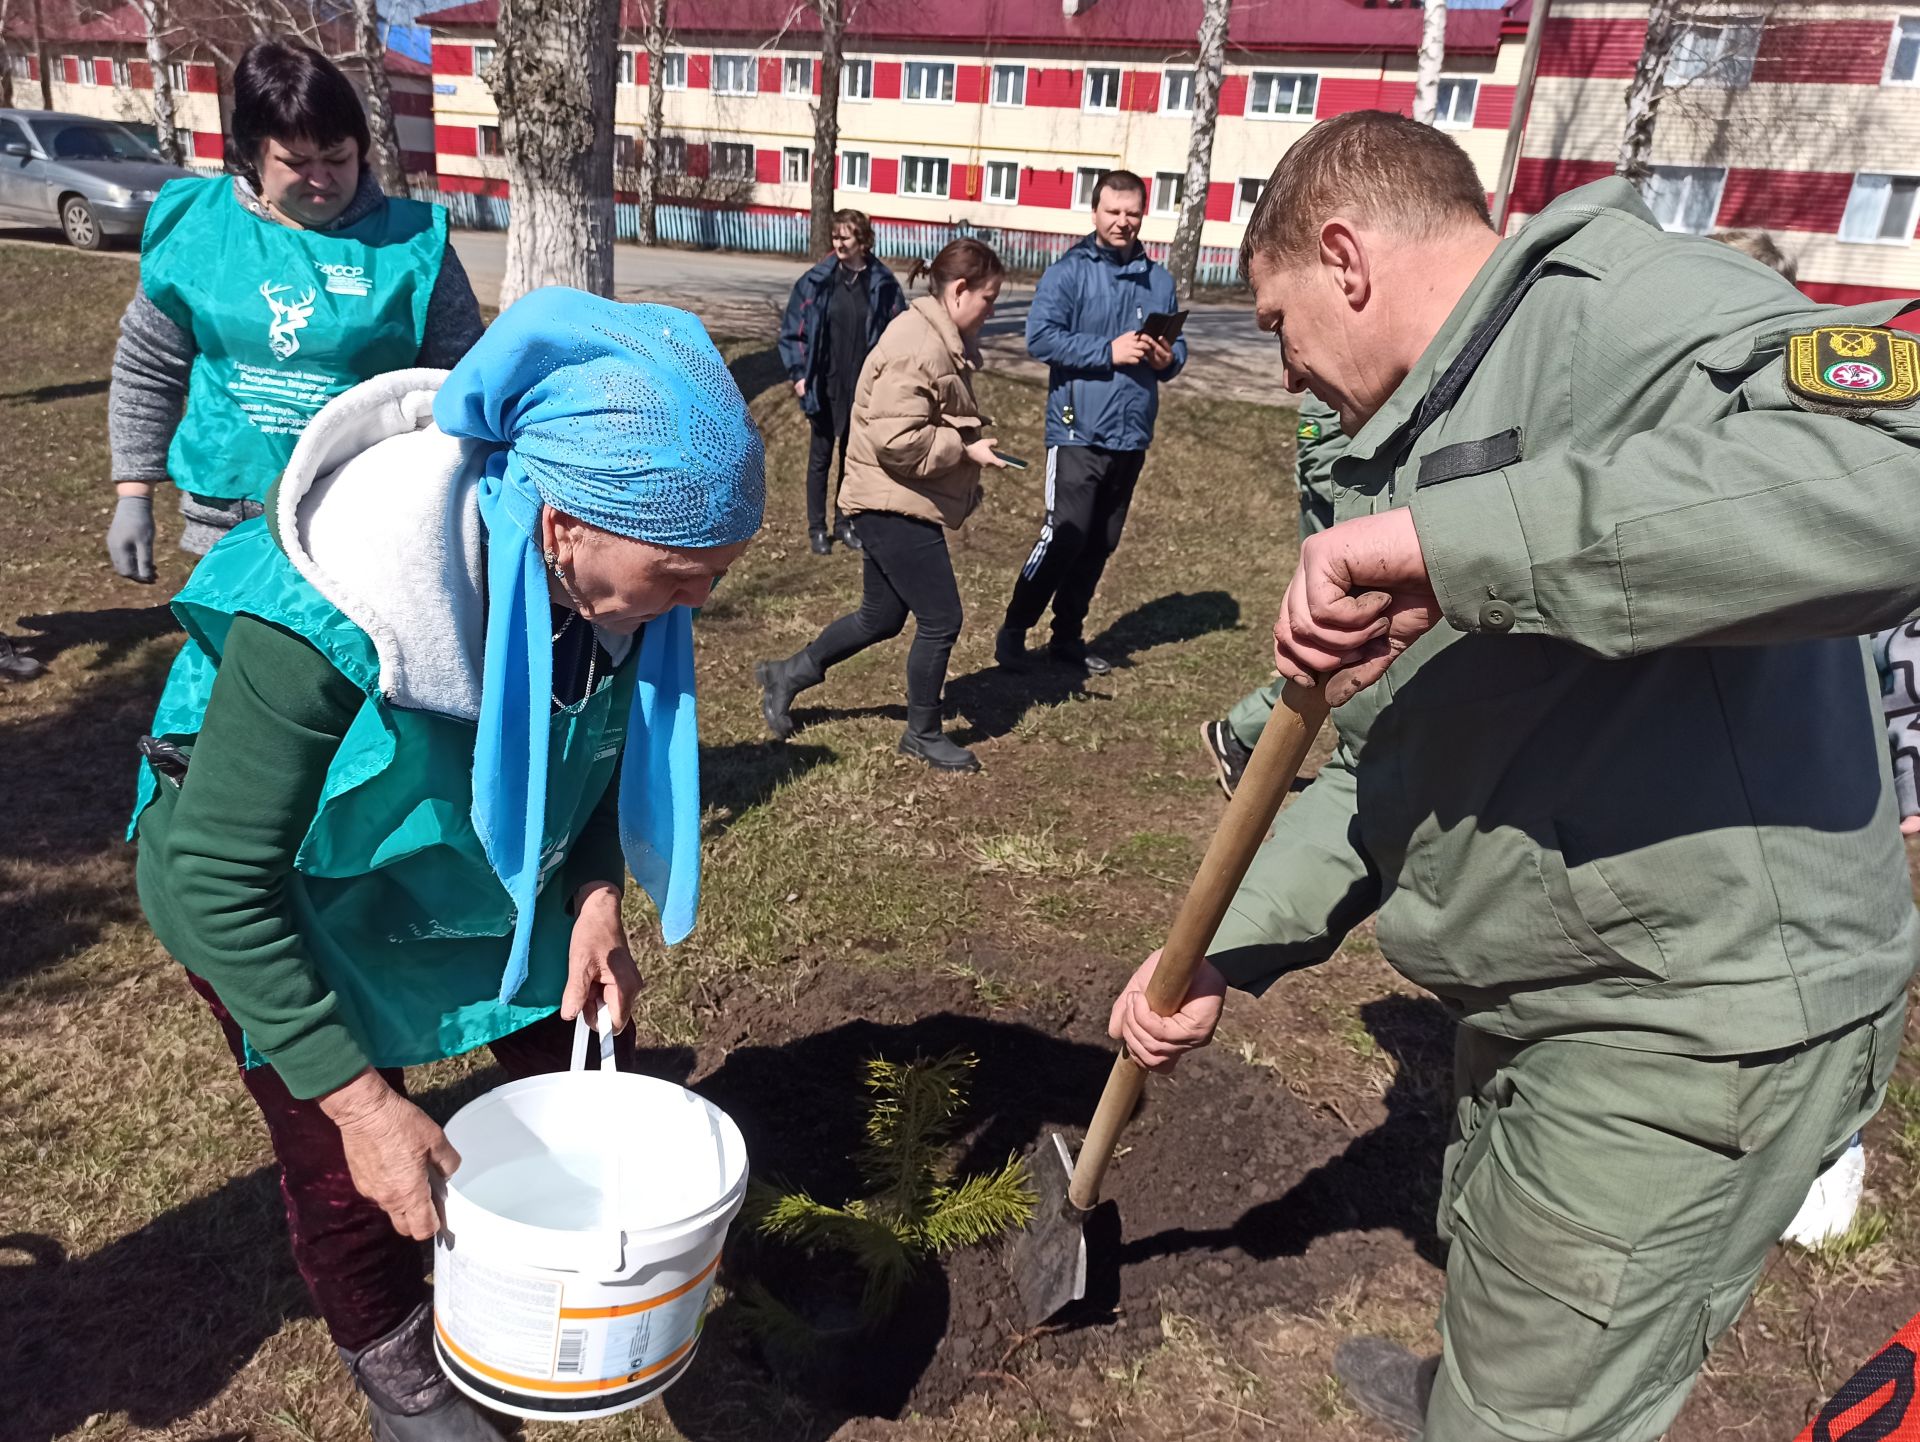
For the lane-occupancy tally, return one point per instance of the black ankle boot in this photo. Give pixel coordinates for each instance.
(1386, 1381)
(409, 1398)
(924, 738)
(780, 682)
(1010, 650)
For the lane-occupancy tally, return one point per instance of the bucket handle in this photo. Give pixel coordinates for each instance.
(603, 1024)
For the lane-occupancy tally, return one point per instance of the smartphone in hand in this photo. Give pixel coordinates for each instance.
(1012, 462)
(1164, 326)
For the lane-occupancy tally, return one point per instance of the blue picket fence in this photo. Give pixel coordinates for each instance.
(785, 233)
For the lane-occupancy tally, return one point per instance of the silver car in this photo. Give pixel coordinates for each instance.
(92, 178)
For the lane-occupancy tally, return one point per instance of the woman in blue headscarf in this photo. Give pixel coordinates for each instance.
(433, 707)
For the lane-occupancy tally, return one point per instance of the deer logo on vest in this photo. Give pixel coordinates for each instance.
(287, 318)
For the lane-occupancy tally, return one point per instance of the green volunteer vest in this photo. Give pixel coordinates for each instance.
(282, 320)
(391, 892)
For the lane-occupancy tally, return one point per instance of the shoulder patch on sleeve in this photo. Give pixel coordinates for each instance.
(1309, 431)
(1852, 370)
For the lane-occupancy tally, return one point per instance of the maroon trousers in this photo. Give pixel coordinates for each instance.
(364, 1276)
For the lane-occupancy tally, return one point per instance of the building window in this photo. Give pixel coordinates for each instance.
(796, 165)
(1009, 85)
(1685, 197)
(735, 75)
(482, 57)
(1880, 210)
(673, 71)
(732, 160)
(1176, 92)
(923, 175)
(1102, 90)
(85, 67)
(177, 74)
(1247, 195)
(856, 80)
(22, 66)
(1715, 52)
(1084, 180)
(796, 76)
(488, 142)
(1003, 182)
(1453, 109)
(856, 170)
(673, 155)
(930, 82)
(626, 72)
(121, 77)
(1168, 187)
(1903, 65)
(1283, 94)
(623, 152)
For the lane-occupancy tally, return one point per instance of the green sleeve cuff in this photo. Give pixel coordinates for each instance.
(322, 1057)
(1476, 553)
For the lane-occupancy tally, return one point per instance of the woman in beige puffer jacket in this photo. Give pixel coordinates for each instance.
(913, 473)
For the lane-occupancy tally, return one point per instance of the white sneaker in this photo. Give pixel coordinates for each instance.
(1830, 1206)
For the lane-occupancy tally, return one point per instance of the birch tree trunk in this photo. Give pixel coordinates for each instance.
(1647, 89)
(388, 166)
(1433, 58)
(649, 180)
(1184, 259)
(553, 80)
(166, 135)
(826, 123)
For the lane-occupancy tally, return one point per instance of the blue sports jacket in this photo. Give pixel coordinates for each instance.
(1085, 299)
(802, 328)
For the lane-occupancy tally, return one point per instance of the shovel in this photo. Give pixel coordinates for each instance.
(1049, 1258)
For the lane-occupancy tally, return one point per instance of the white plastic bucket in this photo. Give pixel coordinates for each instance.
(582, 1232)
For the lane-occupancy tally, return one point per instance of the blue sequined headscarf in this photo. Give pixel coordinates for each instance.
(625, 417)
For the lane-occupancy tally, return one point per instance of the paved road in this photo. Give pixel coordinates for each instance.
(745, 294)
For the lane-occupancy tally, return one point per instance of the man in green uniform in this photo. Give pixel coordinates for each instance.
(1319, 442)
(1628, 812)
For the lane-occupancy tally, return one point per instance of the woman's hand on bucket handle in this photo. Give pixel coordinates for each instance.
(392, 1150)
(600, 969)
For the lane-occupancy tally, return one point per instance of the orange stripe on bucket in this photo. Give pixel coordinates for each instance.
(540, 1384)
(635, 1307)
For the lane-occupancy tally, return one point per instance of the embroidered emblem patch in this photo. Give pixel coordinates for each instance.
(1309, 430)
(1850, 370)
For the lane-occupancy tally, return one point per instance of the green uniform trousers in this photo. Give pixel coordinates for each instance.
(1248, 718)
(1608, 1213)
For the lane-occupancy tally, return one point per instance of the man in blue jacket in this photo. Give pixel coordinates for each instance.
(1103, 391)
(834, 317)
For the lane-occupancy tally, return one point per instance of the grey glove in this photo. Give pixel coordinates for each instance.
(130, 538)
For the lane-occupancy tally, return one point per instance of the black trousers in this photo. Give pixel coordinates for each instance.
(1088, 492)
(905, 569)
(826, 438)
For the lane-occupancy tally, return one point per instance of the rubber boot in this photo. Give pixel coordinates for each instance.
(14, 666)
(844, 533)
(924, 738)
(1010, 650)
(780, 682)
(409, 1398)
(821, 542)
(1386, 1381)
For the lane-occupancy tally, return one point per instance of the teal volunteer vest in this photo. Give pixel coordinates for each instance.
(282, 320)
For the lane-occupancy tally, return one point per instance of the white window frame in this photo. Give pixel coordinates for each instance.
(483, 55)
(1275, 77)
(177, 75)
(1016, 71)
(1692, 173)
(22, 65)
(1712, 64)
(1857, 205)
(89, 69)
(865, 158)
(630, 142)
(1903, 27)
(1086, 179)
(860, 89)
(909, 165)
(1447, 117)
(1086, 89)
(787, 156)
(480, 141)
(1161, 187)
(792, 67)
(1242, 207)
(673, 70)
(673, 155)
(1167, 79)
(627, 72)
(736, 64)
(122, 75)
(941, 72)
(736, 148)
(1006, 167)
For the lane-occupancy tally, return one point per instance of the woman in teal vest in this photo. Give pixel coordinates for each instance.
(433, 706)
(263, 294)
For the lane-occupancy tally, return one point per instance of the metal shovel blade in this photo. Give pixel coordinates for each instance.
(1049, 1258)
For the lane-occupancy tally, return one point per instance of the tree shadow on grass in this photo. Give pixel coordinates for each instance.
(741, 775)
(118, 629)
(758, 371)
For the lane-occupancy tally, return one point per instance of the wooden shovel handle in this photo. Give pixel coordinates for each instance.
(1256, 801)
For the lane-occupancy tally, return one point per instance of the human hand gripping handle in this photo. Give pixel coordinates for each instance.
(1358, 599)
(600, 967)
(393, 1150)
(1174, 999)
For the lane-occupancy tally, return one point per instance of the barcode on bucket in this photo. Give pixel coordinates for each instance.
(573, 1352)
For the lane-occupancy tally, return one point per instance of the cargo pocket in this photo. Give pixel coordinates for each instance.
(1530, 1294)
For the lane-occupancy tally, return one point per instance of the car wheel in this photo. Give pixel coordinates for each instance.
(83, 230)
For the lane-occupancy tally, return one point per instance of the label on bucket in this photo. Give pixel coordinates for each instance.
(563, 1336)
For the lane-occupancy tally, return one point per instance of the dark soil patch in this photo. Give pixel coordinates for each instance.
(1230, 1195)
